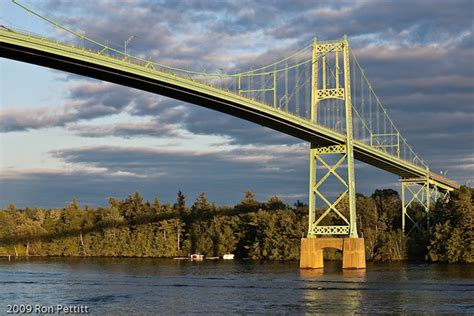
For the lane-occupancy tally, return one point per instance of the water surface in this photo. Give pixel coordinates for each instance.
(117, 286)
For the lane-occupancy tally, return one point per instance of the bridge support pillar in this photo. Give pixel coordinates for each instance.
(353, 252)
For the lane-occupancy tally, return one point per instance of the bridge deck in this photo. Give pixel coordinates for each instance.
(39, 51)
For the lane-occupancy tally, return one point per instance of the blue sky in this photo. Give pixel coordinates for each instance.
(63, 135)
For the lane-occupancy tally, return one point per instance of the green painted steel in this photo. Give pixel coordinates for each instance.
(317, 226)
(376, 142)
(326, 91)
(349, 139)
(423, 192)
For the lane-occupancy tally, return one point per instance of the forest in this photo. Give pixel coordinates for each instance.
(271, 230)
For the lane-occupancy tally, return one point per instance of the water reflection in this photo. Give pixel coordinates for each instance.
(358, 274)
(311, 273)
(332, 289)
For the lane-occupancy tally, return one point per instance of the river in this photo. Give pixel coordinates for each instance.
(135, 286)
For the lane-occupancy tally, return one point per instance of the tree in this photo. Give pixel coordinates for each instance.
(301, 208)
(248, 204)
(182, 219)
(180, 206)
(389, 206)
(451, 238)
(156, 210)
(200, 208)
(132, 209)
(225, 234)
(274, 203)
(30, 229)
(69, 225)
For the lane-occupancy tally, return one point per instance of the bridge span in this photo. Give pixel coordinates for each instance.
(319, 94)
(51, 54)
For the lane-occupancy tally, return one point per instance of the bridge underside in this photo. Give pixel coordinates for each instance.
(113, 70)
(128, 79)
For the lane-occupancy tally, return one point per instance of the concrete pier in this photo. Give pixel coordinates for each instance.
(353, 252)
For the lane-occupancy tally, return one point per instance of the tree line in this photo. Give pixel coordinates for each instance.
(134, 227)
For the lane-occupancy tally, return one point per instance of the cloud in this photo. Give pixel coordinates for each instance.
(113, 170)
(153, 128)
(92, 99)
(411, 21)
(95, 172)
(88, 171)
(146, 160)
(87, 100)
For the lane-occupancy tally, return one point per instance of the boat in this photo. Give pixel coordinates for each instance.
(228, 256)
(197, 257)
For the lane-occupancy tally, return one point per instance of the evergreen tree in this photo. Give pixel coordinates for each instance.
(201, 207)
(248, 204)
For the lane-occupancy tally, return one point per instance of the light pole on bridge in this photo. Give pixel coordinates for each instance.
(125, 44)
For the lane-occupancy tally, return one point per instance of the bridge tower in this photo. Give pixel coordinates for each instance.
(312, 247)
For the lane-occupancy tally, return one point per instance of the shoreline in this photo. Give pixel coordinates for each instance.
(213, 259)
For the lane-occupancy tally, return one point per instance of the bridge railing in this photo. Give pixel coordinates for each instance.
(284, 85)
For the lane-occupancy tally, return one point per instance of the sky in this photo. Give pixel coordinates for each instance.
(63, 135)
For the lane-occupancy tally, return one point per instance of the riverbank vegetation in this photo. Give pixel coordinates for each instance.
(251, 229)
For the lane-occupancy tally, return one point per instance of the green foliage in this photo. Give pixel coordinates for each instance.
(279, 240)
(451, 238)
(274, 203)
(248, 204)
(378, 220)
(251, 229)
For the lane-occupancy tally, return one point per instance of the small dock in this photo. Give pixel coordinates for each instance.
(6, 255)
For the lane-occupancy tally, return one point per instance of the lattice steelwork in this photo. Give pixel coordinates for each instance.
(325, 90)
(317, 155)
(423, 192)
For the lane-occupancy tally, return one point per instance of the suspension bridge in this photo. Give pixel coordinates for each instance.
(319, 94)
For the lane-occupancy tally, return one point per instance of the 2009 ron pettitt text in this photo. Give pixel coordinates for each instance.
(47, 309)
